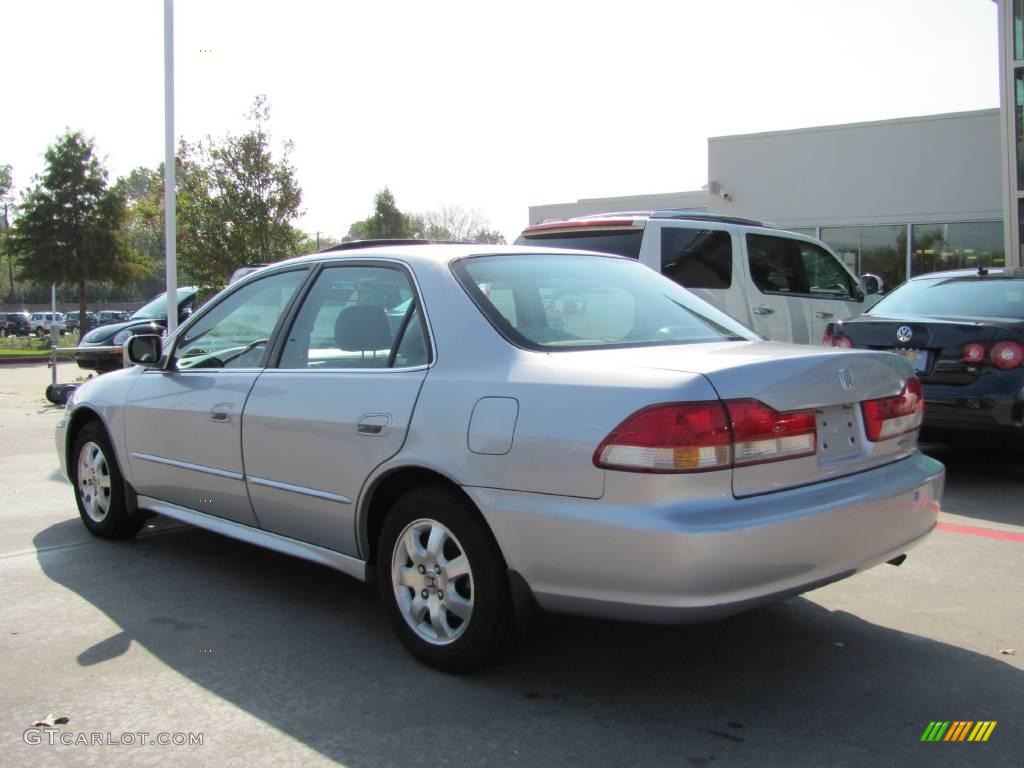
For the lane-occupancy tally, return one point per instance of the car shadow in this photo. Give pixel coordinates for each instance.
(307, 651)
(979, 474)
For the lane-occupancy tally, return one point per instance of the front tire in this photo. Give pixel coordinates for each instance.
(99, 486)
(443, 581)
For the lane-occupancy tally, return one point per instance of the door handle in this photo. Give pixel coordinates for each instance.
(823, 315)
(221, 413)
(763, 310)
(374, 424)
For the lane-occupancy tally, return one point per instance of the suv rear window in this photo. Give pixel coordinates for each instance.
(620, 242)
(549, 302)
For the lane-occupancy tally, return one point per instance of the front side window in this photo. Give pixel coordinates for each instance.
(549, 302)
(697, 258)
(235, 333)
(358, 317)
(787, 266)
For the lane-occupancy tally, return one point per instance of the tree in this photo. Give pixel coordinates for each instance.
(236, 202)
(453, 222)
(6, 184)
(144, 224)
(450, 222)
(70, 229)
(387, 221)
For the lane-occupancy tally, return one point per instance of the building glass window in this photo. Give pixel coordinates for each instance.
(879, 250)
(1018, 90)
(965, 244)
(1018, 29)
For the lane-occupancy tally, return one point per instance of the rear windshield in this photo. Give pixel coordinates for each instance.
(956, 297)
(566, 302)
(621, 243)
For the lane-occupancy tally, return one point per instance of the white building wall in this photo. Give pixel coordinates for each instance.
(700, 201)
(937, 168)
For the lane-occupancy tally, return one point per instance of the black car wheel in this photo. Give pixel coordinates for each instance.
(443, 580)
(99, 486)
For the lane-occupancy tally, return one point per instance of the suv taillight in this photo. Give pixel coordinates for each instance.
(889, 417)
(703, 436)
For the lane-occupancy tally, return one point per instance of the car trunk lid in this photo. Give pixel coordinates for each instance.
(787, 377)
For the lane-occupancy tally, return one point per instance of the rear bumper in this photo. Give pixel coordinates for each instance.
(694, 560)
(973, 409)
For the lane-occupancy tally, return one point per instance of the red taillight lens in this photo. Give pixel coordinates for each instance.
(1007, 355)
(889, 417)
(763, 434)
(973, 353)
(843, 341)
(696, 437)
(675, 437)
(826, 339)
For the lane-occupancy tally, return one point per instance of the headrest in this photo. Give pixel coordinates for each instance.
(362, 327)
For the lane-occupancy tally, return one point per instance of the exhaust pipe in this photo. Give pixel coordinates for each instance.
(897, 560)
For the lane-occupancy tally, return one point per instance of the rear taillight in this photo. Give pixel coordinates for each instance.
(888, 417)
(826, 338)
(843, 341)
(697, 437)
(1007, 355)
(763, 434)
(675, 437)
(973, 353)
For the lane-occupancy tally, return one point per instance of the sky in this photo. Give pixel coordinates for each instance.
(487, 104)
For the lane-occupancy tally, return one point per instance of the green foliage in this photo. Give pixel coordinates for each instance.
(70, 228)
(236, 203)
(6, 258)
(449, 223)
(387, 221)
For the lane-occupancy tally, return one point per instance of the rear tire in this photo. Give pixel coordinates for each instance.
(99, 486)
(443, 580)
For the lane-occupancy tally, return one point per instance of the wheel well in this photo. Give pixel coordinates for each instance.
(81, 417)
(387, 491)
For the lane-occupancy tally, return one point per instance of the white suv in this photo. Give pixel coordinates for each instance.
(785, 286)
(42, 322)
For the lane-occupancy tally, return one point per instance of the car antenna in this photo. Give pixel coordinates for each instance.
(982, 271)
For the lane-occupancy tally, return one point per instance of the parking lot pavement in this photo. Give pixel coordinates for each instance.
(275, 661)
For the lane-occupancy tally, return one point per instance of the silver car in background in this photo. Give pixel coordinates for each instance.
(476, 427)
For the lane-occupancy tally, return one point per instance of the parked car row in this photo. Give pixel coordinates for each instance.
(479, 428)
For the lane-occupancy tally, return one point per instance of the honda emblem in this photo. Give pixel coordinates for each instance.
(845, 379)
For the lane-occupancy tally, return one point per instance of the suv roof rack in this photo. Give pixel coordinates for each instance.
(683, 213)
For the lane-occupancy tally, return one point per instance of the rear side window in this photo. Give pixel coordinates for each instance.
(621, 243)
(697, 258)
(357, 317)
(784, 265)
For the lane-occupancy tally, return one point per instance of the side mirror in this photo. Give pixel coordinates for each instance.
(871, 284)
(145, 350)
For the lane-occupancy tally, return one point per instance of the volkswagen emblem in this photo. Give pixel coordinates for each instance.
(903, 333)
(845, 379)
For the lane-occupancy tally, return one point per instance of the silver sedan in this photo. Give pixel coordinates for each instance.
(480, 428)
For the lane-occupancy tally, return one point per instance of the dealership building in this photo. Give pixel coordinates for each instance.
(893, 197)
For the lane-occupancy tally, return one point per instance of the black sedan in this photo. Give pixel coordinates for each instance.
(964, 333)
(150, 318)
